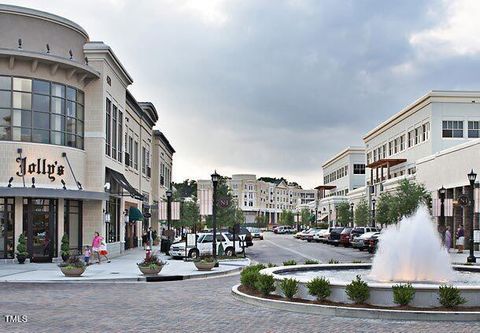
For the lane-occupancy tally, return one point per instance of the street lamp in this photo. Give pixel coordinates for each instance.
(373, 212)
(215, 178)
(351, 212)
(471, 178)
(169, 210)
(441, 192)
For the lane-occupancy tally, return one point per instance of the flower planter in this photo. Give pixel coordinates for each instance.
(21, 258)
(204, 265)
(147, 270)
(69, 271)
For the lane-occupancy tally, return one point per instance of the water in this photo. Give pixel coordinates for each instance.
(412, 251)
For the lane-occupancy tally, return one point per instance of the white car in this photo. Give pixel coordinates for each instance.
(204, 246)
(256, 232)
(359, 242)
(322, 235)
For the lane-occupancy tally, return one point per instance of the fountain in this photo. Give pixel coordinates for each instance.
(410, 251)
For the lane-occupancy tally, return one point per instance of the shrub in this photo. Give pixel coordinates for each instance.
(22, 246)
(333, 261)
(290, 262)
(152, 262)
(450, 296)
(270, 265)
(319, 287)
(72, 262)
(65, 248)
(403, 293)
(311, 262)
(357, 290)
(249, 275)
(265, 284)
(289, 287)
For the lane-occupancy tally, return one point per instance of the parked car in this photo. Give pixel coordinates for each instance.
(256, 232)
(322, 235)
(204, 246)
(334, 237)
(309, 235)
(302, 234)
(284, 230)
(362, 242)
(373, 243)
(357, 231)
(345, 237)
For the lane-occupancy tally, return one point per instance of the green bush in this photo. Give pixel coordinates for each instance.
(22, 246)
(65, 248)
(311, 262)
(333, 261)
(270, 265)
(357, 290)
(265, 284)
(290, 262)
(403, 294)
(289, 287)
(450, 296)
(249, 275)
(319, 287)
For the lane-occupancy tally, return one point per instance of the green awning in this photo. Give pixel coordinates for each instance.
(134, 214)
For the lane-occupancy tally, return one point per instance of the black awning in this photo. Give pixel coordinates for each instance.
(123, 182)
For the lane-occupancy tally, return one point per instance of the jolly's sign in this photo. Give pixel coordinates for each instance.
(40, 166)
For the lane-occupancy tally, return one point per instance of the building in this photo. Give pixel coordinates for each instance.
(75, 146)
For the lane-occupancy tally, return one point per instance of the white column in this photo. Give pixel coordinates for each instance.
(60, 224)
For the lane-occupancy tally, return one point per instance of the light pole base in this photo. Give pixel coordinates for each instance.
(471, 259)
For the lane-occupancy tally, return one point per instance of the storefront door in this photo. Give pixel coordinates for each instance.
(40, 223)
(7, 221)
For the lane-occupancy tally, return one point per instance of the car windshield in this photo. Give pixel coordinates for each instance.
(230, 237)
(346, 230)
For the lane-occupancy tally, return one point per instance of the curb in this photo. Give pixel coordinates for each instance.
(362, 313)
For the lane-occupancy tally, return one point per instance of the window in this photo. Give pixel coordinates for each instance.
(107, 127)
(390, 148)
(417, 135)
(359, 169)
(396, 145)
(384, 151)
(130, 151)
(452, 129)
(402, 142)
(411, 136)
(425, 131)
(474, 129)
(135, 156)
(114, 132)
(120, 135)
(40, 111)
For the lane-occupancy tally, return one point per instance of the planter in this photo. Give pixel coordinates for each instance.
(65, 257)
(21, 258)
(205, 265)
(147, 270)
(72, 271)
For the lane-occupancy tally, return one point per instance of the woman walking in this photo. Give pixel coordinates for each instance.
(460, 238)
(448, 239)
(96, 245)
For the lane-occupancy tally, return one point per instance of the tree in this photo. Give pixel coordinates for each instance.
(261, 221)
(305, 216)
(287, 218)
(185, 189)
(384, 210)
(190, 214)
(229, 215)
(409, 196)
(362, 213)
(343, 214)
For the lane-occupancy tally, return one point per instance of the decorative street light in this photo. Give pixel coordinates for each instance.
(169, 211)
(351, 213)
(471, 177)
(441, 192)
(215, 178)
(373, 212)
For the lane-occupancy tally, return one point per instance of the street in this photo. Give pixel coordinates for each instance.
(197, 305)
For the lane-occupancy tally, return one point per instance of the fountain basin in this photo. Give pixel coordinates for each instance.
(381, 294)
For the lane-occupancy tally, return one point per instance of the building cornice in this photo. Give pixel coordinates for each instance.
(158, 134)
(347, 151)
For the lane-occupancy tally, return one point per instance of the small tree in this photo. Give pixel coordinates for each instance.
(65, 247)
(305, 216)
(362, 214)
(343, 214)
(409, 196)
(384, 210)
(22, 246)
(287, 218)
(261, 221)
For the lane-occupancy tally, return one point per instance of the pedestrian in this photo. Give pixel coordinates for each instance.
(86, 255)
(144, 239)
(96, 244)
(150, 236)
(460, 239)
(103, 251)
(448, 239)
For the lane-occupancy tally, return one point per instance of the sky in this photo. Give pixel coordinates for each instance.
(277, 87)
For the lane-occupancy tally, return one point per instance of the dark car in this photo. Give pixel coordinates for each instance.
(244, 235)
(334, 237)
(373, 243)
(345, 237)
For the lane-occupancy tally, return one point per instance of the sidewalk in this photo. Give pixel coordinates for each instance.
(461, 258)
(121, 269)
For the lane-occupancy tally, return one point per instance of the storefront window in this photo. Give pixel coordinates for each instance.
(73, 223)
(113, 226)
(7, 218)
(41, 111)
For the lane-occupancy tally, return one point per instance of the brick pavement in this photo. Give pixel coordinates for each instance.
(203, 305)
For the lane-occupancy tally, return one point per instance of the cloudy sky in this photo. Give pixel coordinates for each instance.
(276, 87)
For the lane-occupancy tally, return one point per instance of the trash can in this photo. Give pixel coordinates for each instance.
(165, 245)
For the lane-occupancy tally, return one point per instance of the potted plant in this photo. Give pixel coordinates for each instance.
(65, 248)
(22, 253)
(151, 265)
(72, 267)
(205, 263)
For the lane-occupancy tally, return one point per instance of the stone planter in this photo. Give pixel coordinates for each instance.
(146, 270)
(21, 258)
(205, 265)
(69, 271)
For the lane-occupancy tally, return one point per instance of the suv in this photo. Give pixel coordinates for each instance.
(334, 237)
(345, 237)
(357, 231)
(204, 246)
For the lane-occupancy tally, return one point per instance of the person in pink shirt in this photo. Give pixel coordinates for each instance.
(96, 244)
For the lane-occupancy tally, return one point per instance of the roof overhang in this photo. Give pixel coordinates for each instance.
(386, 162)
(28, 192)
(325, 187)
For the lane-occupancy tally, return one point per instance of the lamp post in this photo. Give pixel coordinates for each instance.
(169, 211)
(215, 178)
(441, 192)
(471, 177)
(351, 213)
(373, 212)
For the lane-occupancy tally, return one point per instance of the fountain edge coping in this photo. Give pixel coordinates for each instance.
(349, 312)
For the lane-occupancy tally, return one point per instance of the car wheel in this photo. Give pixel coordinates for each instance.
(229, 252)
(309, 240)
(193, 254)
